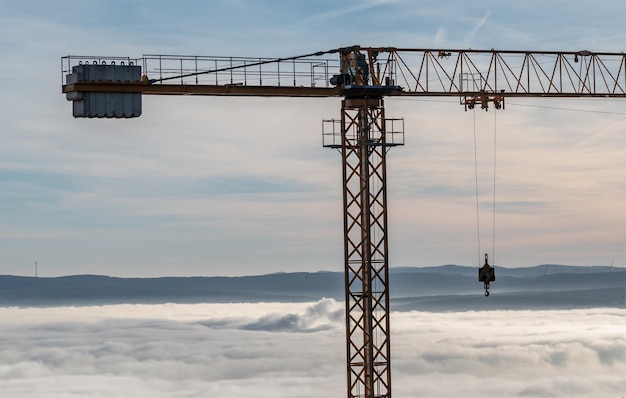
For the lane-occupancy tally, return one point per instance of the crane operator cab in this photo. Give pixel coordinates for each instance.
(354, 71)
(486, 274)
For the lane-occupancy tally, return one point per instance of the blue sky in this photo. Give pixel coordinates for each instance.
(232, 186)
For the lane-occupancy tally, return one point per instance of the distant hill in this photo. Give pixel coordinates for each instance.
(95, 289)
(442, 288)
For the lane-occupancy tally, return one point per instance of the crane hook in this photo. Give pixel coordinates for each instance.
(486, 274)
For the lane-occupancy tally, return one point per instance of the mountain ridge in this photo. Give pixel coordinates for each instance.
(446, 287)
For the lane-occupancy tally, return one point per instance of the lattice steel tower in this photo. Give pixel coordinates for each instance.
(363, 149)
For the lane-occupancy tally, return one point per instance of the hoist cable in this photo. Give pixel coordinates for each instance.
(493, 238)
(476, 184)
(495, 146)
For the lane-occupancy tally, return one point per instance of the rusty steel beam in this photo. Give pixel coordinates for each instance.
(431, 72)
(202, 90)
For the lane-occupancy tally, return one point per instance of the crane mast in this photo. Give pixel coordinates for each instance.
(363, 152)
(362, 77)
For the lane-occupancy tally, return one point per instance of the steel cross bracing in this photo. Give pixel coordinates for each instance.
(363, 76)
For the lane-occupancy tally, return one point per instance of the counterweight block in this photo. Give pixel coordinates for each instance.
(102, 104)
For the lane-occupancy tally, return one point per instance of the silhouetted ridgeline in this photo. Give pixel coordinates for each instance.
(443, 288)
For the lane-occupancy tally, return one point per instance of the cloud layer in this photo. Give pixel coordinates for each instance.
(286, 350)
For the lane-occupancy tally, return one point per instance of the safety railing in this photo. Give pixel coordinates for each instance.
(214, 70)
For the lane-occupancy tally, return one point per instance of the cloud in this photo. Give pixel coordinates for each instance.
(440, 36)
(174, 350)
(522, 353)
(154, 350)
(343, 12)
(322, 316)
(469, 39)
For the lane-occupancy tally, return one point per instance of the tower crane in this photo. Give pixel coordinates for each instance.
(112, 87)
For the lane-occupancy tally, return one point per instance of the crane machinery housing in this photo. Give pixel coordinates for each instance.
(112, 87)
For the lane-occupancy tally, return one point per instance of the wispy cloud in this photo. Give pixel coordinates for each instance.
(342, 12)
(469, 39)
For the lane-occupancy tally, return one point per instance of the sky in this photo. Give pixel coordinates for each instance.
(284, 350)
(239, 186)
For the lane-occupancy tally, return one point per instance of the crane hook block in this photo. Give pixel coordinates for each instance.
(486, 274)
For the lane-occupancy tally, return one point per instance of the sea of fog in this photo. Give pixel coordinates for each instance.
(276, 350)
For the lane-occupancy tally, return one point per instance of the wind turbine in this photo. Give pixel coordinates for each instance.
(36, 261)
(545, 280)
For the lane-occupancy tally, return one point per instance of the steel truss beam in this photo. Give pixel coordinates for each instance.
(430, 72)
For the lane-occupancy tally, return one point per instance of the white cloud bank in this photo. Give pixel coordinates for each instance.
(287, 350)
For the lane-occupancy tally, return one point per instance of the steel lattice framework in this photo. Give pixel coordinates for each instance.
(366, 248)
(363, 76)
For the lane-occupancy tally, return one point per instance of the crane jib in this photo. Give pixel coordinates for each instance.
(479, 77)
